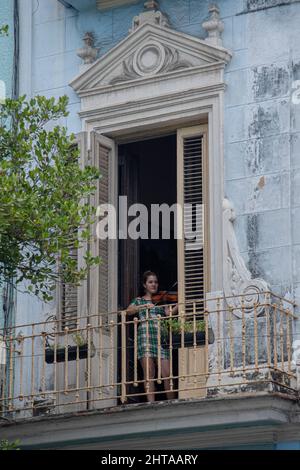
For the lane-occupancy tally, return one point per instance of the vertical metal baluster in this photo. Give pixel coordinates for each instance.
(243, 338)
(123, 355)
(43, 379)
(288, 339)
(275, 336)
(206, 319)
(55, 368)
(21, 339)
(194, 344)
(281, 336)
(267, 309)
(77, 394)
(89, 328)
(158, 350)
(11, 372)
(231, 341)
(183, 365)
(255, 337)
(219, 339)
(147, 351)
(100, 371)
(5, 339)
(66, 361)
(170, 338)
(32, 364)
(171, 352)
(135, 360)
(111, 354)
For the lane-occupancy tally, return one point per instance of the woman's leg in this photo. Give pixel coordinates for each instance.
(165, 372)
(150, 368)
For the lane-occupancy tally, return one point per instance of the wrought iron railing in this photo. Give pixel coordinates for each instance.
(236, 345)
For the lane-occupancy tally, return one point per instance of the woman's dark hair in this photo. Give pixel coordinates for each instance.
(145, 277)
(148, 274)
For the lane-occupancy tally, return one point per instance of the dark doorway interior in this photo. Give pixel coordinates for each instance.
(150, 179)
(147, 175)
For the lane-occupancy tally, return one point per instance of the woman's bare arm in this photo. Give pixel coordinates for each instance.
(168, 310)
(133, 309)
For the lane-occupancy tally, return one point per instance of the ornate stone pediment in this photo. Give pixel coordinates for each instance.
(151, 50)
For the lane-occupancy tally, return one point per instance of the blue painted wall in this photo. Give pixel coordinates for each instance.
(7, 45)
(262, 125)
(291, 445)
(6, 77)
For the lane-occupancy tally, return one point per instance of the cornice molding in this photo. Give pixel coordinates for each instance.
(144, 81)
(154, 103)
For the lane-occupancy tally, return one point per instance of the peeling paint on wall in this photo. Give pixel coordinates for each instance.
(270, 81)
(252, 231)
(261, 182)
(254, 160)
(260, 185)
(264, 122)
(252, 240)
(254, 5)
(268, 154)
(295, 96)
(296, 71)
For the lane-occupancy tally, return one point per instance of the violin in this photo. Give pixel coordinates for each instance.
(166, 296)
(163, 297)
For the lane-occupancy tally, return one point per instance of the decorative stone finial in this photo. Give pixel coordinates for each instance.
(151, 15)
(214, 26)
(88, 53)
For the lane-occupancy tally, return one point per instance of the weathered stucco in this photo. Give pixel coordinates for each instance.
(7, 45)
(262, 124)
(261, 137)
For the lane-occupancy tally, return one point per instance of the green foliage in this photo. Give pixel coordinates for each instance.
(175, 325)
(78, 339)
(6, 445)
(44, 198)
(4, 30)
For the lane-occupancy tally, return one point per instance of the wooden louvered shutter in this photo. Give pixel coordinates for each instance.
(193, 273)
(102, 288)
(102, 281)
(69, 300)
(71, 296)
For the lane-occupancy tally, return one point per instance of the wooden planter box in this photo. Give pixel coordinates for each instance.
(188, 340)
(72, 354)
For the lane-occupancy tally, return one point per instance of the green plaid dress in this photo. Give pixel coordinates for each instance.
(152, 331)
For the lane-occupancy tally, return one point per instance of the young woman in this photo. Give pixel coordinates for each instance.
(140, 305)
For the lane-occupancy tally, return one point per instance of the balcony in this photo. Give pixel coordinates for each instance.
(218, 348)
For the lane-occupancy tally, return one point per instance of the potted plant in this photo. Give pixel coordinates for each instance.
(80, 345)
(193, 332)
